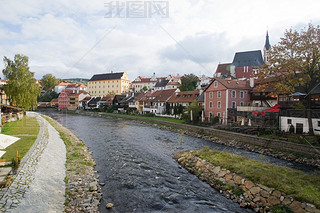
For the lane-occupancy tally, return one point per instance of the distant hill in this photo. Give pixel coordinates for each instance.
(77, 80)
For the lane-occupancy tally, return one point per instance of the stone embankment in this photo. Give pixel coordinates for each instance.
(83, 192)
(240, 189)
(315, 161)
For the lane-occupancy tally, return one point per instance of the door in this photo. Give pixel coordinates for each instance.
(299, 128)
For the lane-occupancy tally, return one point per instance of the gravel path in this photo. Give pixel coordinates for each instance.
(39, 184)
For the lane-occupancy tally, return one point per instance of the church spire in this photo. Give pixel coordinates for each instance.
(266, 48)
(267, 45)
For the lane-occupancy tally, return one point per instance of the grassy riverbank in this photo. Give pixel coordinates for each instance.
(304, 187)
(27, 130)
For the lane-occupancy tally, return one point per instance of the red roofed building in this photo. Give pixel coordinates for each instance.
(185, 98)
(222, 94)
(69, 99)
(63, 100)
(70, 86)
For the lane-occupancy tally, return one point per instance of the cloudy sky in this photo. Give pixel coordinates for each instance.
(79, 38)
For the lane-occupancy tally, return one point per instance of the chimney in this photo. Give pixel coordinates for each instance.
(251, 82)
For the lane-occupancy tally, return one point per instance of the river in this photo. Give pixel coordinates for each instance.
(135, 163)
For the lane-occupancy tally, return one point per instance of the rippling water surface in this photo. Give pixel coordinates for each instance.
(135, 163)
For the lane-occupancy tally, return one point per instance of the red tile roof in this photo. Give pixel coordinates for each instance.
(184, 97)
(233, 84)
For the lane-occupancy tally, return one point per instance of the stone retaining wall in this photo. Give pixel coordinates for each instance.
(240, 189)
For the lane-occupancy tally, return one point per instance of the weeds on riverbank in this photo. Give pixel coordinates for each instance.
(303, 186)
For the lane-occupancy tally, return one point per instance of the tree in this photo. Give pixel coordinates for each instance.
(21, 88)
(189, 82)
(145, 88)
(196, 111)
(295, 62)
(48, 82)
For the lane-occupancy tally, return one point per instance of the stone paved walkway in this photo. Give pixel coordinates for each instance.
(39, 184)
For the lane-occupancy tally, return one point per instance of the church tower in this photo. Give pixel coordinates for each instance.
(266, 49)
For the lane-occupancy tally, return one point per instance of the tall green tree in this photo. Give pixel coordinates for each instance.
(48, 82)
(295, 63)
(21, 88)
(196, 111)
(189, 82)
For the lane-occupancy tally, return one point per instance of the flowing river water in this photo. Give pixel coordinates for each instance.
(135, 163)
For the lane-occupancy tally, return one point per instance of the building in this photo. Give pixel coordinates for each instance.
(141, 82)
(110, 83)
(70, 100)
(70, 86)
(245, 64)
(74, 99)
(63, 100)
(222, 94)
(184, 98)
(291, 112)
(149, 84)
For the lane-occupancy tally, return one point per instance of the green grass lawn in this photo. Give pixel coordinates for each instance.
(25, 126)
(304, 187)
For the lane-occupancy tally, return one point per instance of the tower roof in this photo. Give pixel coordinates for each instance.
(249, 58)
(267, 45)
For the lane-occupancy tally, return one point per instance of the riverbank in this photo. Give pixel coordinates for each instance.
(83, 192)
(214, 168)
(38, 184)
(303, 154)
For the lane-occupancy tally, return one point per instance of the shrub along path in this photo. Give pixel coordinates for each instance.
(39, 183)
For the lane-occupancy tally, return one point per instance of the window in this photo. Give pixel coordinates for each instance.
(233, 94)
(210, 95)
(219, 104)
(210, 104)
(219, 94)
(318, 123)
(72, 99)
(72, 103)
(215, 84)
(289, 121)
(219, 114)
(241, 103)
(241, 94)
(234, 105)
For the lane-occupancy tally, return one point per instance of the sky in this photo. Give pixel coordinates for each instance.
(80, 38)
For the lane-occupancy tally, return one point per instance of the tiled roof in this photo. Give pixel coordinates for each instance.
(224, 68)
(86, 99)
(249, 58)
(184, 97)
(107, 76)
(234, 84)
(173, 83)
(160, 95)
(162, 83)
(54, 100)
(231, 84)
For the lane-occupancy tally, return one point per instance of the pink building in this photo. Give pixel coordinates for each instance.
(222, 94)
(63, 100)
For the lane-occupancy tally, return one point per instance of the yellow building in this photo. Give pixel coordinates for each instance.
(110, 83)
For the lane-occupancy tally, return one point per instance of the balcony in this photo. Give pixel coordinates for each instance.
(251, 108)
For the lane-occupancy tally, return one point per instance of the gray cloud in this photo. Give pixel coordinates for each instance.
(201, 48)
